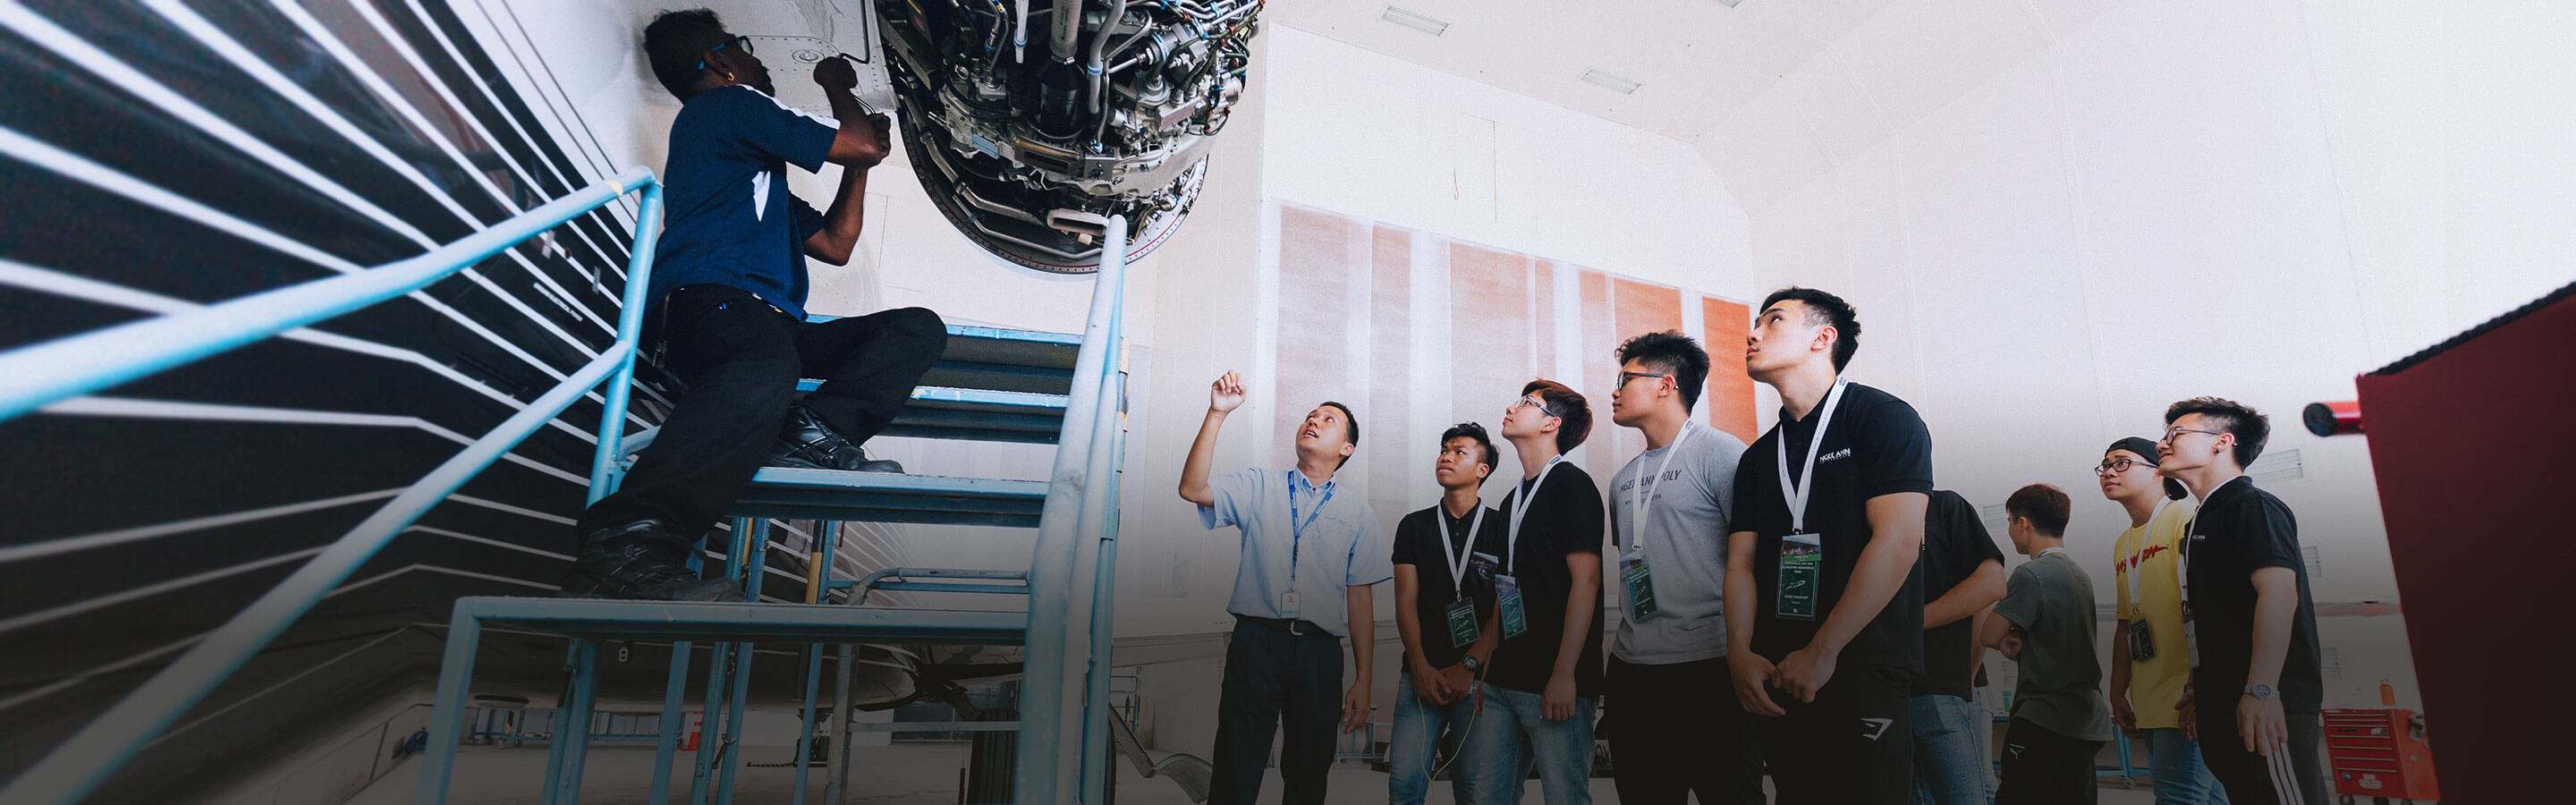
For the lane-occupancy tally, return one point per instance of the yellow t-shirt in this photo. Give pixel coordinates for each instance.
(2155, 550)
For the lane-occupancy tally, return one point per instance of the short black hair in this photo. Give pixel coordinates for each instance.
(1825, 309)
(1351, 428)
(1576, 415)
(1670, 351)
(1471, 430)
(2044, 506)
(676, 44)
(2251, 428)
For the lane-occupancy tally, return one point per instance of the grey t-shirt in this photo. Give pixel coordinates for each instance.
(2060, 685)
(1687, 522)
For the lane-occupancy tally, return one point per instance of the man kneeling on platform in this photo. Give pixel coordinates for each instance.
(728, 316)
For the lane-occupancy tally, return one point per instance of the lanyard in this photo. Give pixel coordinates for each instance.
(2044, 552)
(1639, 505)
(1458, 562)
(2138, 557)
(1297, 528)
(1520, 508)
(1796, 496)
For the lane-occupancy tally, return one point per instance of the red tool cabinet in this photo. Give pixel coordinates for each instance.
(2379, 753)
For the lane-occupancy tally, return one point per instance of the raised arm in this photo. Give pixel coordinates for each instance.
(862, 142)
(1224, 395)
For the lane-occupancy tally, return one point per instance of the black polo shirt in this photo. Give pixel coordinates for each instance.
(2238, 530)
(1565, 518)
(1875, 446)
(1955, 544)
(1420, 539)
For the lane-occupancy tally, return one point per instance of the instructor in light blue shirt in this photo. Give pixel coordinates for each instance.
(1311, 552)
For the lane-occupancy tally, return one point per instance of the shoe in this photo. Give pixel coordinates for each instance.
(808, 443)
(642, 560)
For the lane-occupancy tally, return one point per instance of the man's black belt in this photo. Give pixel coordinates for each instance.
(1301, 628)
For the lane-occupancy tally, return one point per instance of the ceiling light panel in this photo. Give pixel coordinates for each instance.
(1613, 83)
(1415, 20)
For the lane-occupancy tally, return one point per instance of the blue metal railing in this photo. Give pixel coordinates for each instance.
(40, 375)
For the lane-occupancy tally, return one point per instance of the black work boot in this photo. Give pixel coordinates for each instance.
(644, 560)
(808, 443)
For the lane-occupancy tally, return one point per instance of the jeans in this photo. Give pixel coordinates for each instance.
(1950, 763)
(2180, 777)
(1511, 736)
(1421, 727)
(1276, 681)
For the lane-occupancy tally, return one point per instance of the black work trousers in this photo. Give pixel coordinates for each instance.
(741, 358)
(1284, 680)
(1677, 730)
(2045, 767)
(1853, 745)
(2290, 775)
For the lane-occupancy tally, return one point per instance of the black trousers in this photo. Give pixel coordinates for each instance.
(1677, 730)
(1284, 681)
(2291, 776)
(741, 359)
(1854, 745)
(2042, 767)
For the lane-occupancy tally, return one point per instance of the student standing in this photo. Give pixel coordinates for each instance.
(2148, 666)
(2256, 691)
(2059, 719)
(1824, 603)
(1311, 551)
(1545, 680)
(1963, 573)
(1440, 615)
(1680, 730)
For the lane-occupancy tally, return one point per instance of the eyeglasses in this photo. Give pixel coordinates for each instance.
(2176, 433)
(1625, 377)
(1533, 401)
(2117, 465)
(743, 42)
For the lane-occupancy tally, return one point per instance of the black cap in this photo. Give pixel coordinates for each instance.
(2146, 450)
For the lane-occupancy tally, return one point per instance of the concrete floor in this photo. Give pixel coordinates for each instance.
(903, 774)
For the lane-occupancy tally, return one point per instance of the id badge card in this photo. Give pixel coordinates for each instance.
(1462, 623)
(2190, 638)
(1640, 584)
(1288, 605)
(1802, 564)
(1507, 598)
(2142, 641)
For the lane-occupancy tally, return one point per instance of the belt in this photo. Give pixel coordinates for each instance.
(1300, 628)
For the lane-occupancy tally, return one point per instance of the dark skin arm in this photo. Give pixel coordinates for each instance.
(863, 141)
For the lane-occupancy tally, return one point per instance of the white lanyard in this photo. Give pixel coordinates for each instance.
(1639, 505)
(1520, 508)
(1796, 496)
(2138, 557)
(1458, 562)
(2043, 552)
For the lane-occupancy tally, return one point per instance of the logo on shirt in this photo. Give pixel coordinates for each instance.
(1872, 728)
(2143, 556)
(1842, 453)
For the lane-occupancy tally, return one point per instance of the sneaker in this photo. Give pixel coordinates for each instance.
(808, 443)
(641, 560)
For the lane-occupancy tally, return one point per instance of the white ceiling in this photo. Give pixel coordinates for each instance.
(1697, 60)
(1774, 93)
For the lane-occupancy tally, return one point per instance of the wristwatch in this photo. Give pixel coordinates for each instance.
(2261, 693)
(1474, 666)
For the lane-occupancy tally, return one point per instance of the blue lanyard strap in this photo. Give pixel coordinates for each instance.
(1297, 528)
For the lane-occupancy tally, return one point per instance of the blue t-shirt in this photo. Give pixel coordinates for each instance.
(732, 221)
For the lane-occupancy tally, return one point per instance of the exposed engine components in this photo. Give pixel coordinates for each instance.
(1030, 123)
